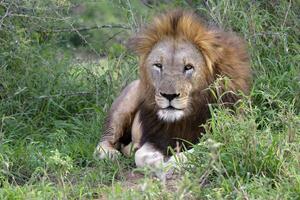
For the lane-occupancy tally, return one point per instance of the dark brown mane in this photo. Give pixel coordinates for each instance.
(170, 134)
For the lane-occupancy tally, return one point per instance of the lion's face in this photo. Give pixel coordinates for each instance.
(174, 68)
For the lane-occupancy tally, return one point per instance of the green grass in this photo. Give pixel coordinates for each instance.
(56, 87)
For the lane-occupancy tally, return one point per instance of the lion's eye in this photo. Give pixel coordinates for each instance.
(158, 65)
(188, 67)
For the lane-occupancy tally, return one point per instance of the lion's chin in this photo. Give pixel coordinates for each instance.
(170, 115)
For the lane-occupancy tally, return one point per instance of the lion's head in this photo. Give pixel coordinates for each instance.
(180, 57)
(174, 68)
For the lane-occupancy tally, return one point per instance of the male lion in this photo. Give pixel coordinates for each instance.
(180, 58)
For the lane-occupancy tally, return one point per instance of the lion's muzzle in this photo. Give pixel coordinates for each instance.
(171, 106)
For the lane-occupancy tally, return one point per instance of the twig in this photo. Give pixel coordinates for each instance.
(73, 29)
(110, 38)
(86, 42)
(83, 38)
(36, 17)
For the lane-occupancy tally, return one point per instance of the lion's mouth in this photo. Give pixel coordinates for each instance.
(171, 108)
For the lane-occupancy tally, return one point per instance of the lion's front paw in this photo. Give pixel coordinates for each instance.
(147, 156)
(105, 150)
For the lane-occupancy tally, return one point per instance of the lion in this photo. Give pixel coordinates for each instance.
(179, 59)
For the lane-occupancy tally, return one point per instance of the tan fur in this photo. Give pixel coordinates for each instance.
(224, 54)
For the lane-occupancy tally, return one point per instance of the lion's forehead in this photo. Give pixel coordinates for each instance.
(172, 52)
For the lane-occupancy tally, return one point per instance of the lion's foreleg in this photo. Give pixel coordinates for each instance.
(120, 119)
(136, 133)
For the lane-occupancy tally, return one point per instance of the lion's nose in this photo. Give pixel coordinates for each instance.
(170, 97)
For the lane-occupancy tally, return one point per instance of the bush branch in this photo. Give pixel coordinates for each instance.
(108, 26)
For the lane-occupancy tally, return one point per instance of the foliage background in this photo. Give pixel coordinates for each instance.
(62, 62)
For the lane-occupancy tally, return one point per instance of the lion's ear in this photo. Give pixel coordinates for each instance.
(133, 43)
(142, 43)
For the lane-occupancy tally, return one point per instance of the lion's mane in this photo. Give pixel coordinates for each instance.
(225, 56)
